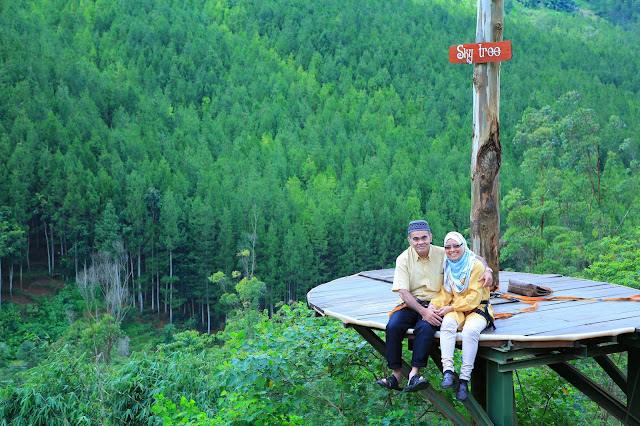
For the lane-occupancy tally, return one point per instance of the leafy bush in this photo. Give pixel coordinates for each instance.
(188, 413)
(288, 369)
(64, 389)
(616, 260)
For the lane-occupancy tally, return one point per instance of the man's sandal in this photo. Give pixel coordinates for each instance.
(390, 383)
(416, 383)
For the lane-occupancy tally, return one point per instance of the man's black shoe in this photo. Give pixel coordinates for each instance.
(448, 380)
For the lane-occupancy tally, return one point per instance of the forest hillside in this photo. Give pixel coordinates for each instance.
(293, 141)
(182, 163)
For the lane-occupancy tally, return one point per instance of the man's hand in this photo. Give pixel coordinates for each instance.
(487, 277)
(431, 316)
(428, 314)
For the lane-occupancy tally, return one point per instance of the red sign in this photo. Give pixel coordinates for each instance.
(479, 53)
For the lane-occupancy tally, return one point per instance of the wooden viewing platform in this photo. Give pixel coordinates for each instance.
(556, 332)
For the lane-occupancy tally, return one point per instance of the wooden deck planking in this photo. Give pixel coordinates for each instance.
(583, 314)
(592, 291)
(378, 317)
(524, 324)
(597, 328)
(576, 309)
(360, 311)
(563, 305)
(366, 299)
(531, 330)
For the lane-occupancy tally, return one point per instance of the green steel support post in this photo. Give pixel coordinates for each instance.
(479, 382)
(501, 402)
(633, 382)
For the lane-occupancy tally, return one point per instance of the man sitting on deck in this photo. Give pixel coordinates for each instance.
(418, 278)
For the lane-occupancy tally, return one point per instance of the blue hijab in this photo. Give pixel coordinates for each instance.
(458, 272)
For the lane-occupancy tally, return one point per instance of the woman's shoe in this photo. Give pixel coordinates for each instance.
(463, 391)
(448, 380)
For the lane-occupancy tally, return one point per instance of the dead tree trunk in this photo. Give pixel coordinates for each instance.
(486, 156)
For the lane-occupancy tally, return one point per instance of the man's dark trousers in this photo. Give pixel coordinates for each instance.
(400, 321)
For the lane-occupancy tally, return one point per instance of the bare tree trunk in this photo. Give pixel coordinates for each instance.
(53, 256)
(133, 290)
(140, 300)
(11, 278)
(206, 292)
(153, 294)
(170, 287)
(48, 255)
(253, 238)
(157, 274)
(110, 273)
(28, 244)
(75, 258)
(486, 155)
(35, 226)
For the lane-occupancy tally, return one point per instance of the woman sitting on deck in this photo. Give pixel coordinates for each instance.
(463, 303)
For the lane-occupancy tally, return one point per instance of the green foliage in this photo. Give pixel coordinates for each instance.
(620, 12)
(194, 131)
(187, 341)
(616, 260)
(61, 389)
(561, 5)
(28, 331)
(572, 192)
(543, 397)
(311, 132)
(255, 408)
(108, 230)
(250, 291)
(100, 338)
(309, 367)
(188, 413)
(290, 369)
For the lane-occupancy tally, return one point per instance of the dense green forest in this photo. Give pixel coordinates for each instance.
(193, 162)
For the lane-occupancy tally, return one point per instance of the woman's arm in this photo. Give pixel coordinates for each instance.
(442, 299)
(474, 293)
